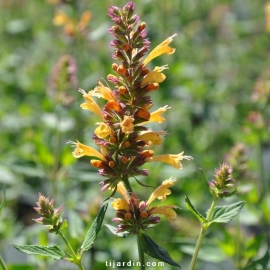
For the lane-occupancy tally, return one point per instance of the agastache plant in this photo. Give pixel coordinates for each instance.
(125, 143)
(123, 139)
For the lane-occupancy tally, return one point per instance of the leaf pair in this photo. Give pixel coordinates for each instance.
(221, 214)
(55, 252)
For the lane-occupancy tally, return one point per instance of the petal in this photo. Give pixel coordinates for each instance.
(120, 204)
(90, 104)
(154, 76)
(121, 189)
(156, 115)
(84, 150)
(162, 191)
(60, 18)
(174, 160)
(101, 91)
(160, 49)
(166, 211)
(152, 136)
(103, 130)
(127, 125)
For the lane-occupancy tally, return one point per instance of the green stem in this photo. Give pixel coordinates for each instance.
(128, 186)
(201, 235)
(76, 259)
(2, 263)
(140, 251)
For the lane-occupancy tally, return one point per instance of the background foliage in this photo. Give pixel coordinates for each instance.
(217, 86)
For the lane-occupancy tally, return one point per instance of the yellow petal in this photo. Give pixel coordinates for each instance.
(174, 160)
(101, 91)
(162, 191)
(90, 104)
(152, 136)
(156, 115)
(166, 211)
(103, 130)
(120, 204)
(84, 150)
(160, 49)
(121, 189)
(127, 125)
(154, 76)
(60, 18)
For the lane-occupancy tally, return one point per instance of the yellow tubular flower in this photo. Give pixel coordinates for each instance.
(84, 150)
(174, 160)
(120, 204)
(152, 136)
(166, 211)
(122, 190)
(156, 115)
(90, 104)
(155, 76)
(101, 91)
(103, 130)
(162, 191)
(127, 125)
(160, 49)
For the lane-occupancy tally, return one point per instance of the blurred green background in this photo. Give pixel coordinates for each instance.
(217, 85)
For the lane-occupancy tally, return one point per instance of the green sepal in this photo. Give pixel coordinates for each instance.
(92, 233)
(154, 250)
(224, 214)
(53, 252)
(195, 212)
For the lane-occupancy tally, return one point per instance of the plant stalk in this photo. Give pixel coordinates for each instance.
(2, 263)
(76, 260)
(140, 251)
(204, 227)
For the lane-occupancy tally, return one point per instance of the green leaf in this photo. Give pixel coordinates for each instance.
(154, 250)
(53, 252)
(92, 233)
(205, 181)
(3, 202)
(223, 214)
(193, 210)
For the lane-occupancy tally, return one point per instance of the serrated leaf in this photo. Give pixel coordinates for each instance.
(193, 210)
(152, 249)
(92, 233)
(53, 252)
(3, 202)
(205, 181)
(113, 230)
(223, 214)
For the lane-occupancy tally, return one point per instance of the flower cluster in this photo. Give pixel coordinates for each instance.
(50, 216)
(134, 215)
(223, 184)
(121, 135)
